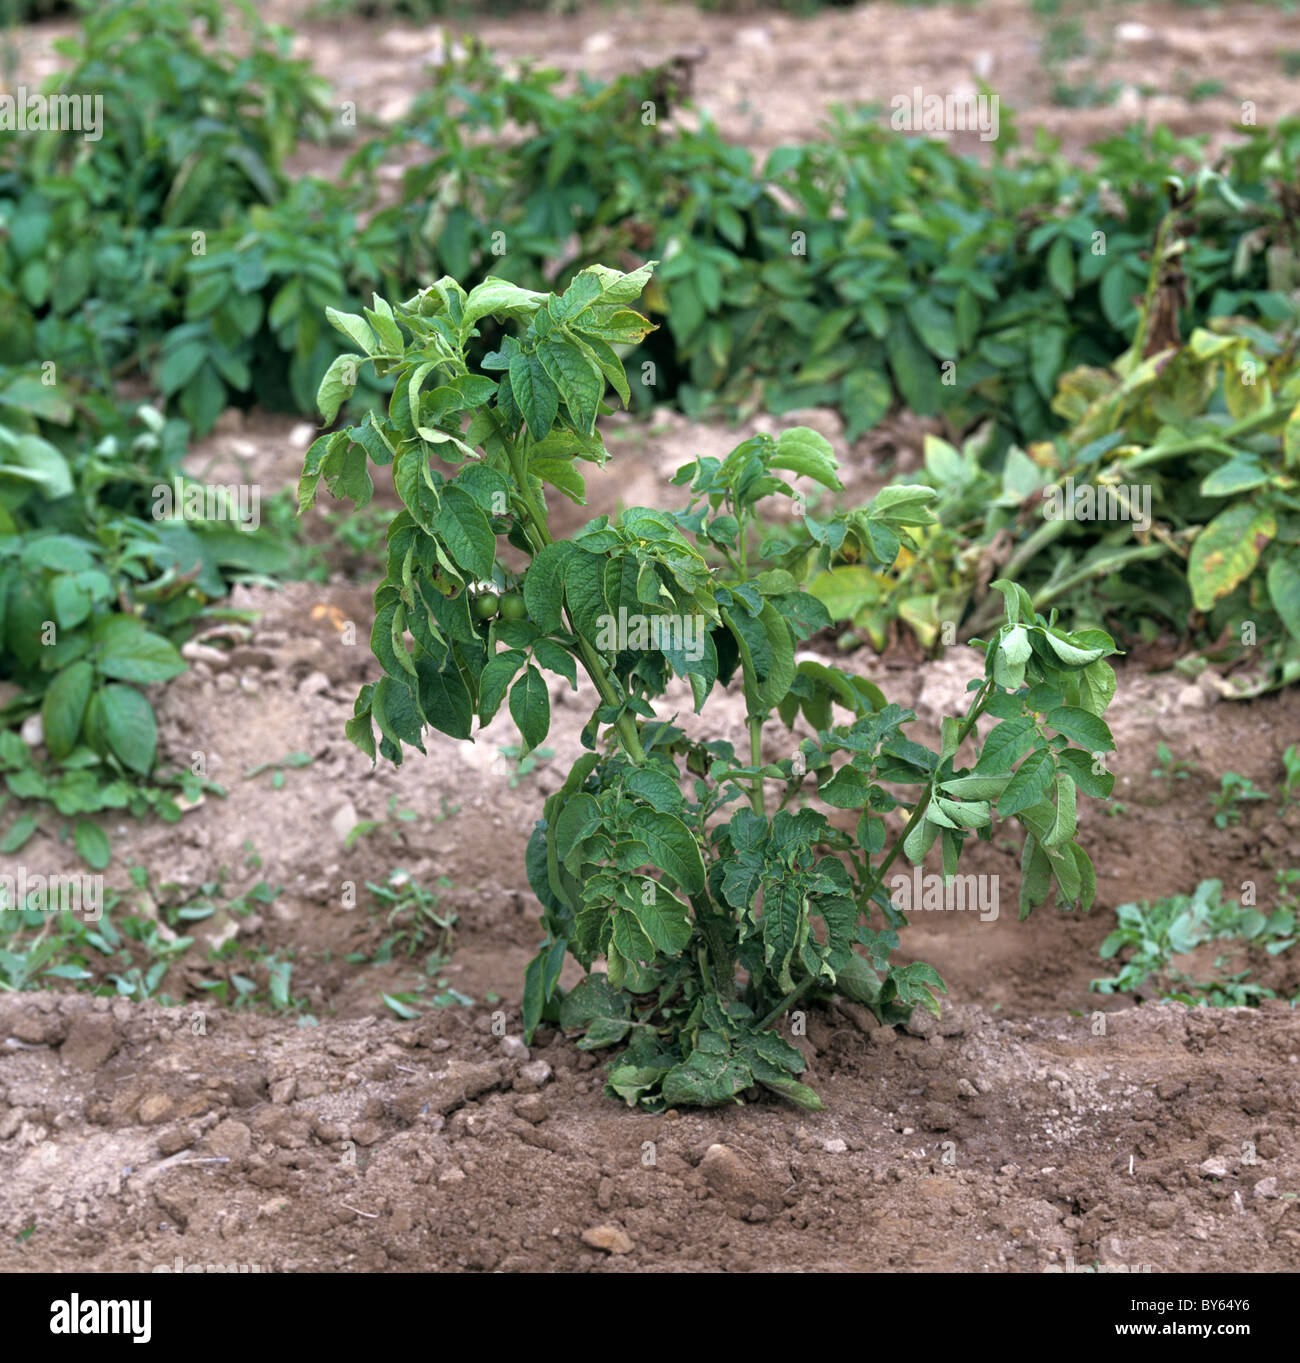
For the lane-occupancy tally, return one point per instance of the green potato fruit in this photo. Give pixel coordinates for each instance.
(513, 607)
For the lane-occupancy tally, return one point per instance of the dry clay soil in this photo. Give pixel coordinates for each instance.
(1036, 1124)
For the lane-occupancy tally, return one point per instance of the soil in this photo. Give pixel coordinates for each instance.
(1036, 1125)
(988, 1143)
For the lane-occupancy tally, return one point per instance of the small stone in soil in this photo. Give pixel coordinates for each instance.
(612, 1239)
(532, 1076)
(532, 1108)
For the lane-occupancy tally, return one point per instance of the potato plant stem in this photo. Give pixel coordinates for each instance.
(976, 709)
(1254, 424)
(790, 999)
(1047, 595)
(1049, 531)
(720, 959)
(535, 522)
(1153, 285)
(1035, 544)
(757, 797)
(626, 725)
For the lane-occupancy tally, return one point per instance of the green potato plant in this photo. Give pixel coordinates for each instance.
(854, 270)
(96, 594)
(710, 883)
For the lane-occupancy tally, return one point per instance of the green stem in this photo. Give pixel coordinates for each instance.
(724, 967)
(1030, 549)
(1254, 424)
(626, 726)
(535, 525)
(757, 797)
(865, 895)
(918, 811)
(791, 998)
(1051, 531)
(1049, 594)
(534, 517)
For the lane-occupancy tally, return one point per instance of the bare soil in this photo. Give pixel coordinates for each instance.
(1169, 1141)
(767, 78)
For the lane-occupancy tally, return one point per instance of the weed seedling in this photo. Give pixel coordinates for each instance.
(1233, 790)
(519, 766)
(1156, 932)
(413, 920)
(392, 821)
(278, 768)
(1169, 769)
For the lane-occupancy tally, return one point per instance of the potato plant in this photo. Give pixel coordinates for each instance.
(1169, 503)
(708, 883)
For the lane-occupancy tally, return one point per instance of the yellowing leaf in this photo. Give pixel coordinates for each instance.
(845, 590)
(1226, 552)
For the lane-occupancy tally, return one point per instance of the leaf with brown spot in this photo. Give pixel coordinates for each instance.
(1226, 552)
